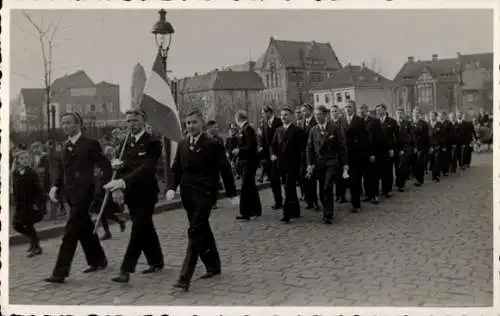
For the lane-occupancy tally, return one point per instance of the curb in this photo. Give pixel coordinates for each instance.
(58, 230)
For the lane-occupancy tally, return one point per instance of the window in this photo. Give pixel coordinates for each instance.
(317, 98)
(104, 108)
(470, 97)
(339, 97)
(92, 108)
(347, 96)
(267, 81)
(327, 99)
(316, 77)
(425, 89)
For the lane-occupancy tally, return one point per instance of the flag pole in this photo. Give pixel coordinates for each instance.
(106, 196)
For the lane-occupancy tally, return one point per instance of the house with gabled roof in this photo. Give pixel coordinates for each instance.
(359, 84)
(219, 94)
(448, 84)
(29, 115)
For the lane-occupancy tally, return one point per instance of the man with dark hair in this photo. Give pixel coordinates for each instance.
(467, 136)
(286, 153)
(137, 187)
(326, 155)
(438, 145)
(371, 175)
(446, 154)
(421, 145)
(387, 152)
(403, 153)
(311, 183)
(247, 154)
(73, 182)
(212, 130)
(341, 184)
(198, 193)
(268, 127)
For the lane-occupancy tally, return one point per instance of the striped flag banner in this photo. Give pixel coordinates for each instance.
(159, 105)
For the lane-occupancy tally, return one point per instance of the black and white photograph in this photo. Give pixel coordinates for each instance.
(186, 157)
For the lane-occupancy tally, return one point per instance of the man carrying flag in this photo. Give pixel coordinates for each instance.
(136, 184)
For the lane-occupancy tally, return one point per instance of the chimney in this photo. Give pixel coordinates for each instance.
(411, 59)
(435, 57)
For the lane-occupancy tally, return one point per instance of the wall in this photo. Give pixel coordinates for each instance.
(374, 96)
(334, 96)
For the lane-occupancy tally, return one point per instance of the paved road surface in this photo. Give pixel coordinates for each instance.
(430, 246)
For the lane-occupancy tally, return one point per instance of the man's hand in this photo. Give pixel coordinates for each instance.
(372, 158)
(113, 185)
(274, 158)
(53, 194)
(236, 151)
(415, 150)
(116, 164)
(431, 150)
(309, 171)
(401, 152)
(259, 149)
(345, 174)
(391, 153)
(235, 200)
(118, 197)
(443, 149)
(169, 196)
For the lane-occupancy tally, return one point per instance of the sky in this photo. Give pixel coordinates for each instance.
(106, 44)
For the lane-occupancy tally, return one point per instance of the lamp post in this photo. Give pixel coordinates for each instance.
(163, 32)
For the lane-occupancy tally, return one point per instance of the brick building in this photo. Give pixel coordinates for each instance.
(219, 94)
(447, 84)
(359, 84)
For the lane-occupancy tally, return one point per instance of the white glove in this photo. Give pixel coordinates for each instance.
(235, 200)
(345, 174)
(309, 171)
(118, 197)
(372, 158)
(113, 185)
(169, 196)
(53, 194)
(116, 164)
(236, 151)
(402, 152)
(391, 153)
(274, 158)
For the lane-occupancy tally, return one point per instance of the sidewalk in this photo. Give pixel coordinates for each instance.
(53, 229)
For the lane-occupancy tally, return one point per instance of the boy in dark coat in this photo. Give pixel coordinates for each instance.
(28, 200)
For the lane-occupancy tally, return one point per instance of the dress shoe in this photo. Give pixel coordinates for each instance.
(355, 210)
(375, 201)
(327, 221)
(418, 184)
(123, 226)
(367, 199)
(35, 252)
(95, 268)
(122, 278)
(182, 285)
(401, 189)
(152, 269)
(54, 279)
(215, 207)
(285, 220)
(241, 217)
(388, 195)
(30, 249)
(277, 206)
(210, 274)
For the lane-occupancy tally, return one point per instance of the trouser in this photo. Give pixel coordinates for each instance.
(436, 157)
(249, 197)
(327, 179)
(468, 155)
(341, 185)
(143, 239)
(454, 157)
(27, 229)
(291, 208)
(371, 178)
(311, 189)
(79, 228)
(387, 176)
(354, 180)
(275, 178)
(402, 164)
(104, 221)
(201, 241)
(446, 160)
(419, 166)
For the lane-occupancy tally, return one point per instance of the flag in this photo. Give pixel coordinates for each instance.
(159, 105)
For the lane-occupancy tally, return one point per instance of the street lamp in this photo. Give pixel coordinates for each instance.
(163, 32)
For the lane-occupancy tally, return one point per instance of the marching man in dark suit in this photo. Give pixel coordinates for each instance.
(286, 153)
(73, 182)
(337, 119)
(454, 139)
(404, 141)
(326, 155)
(356, 138)
(437, 150)
(421, 143)
(388, 151)
(467, 135)
(247, 154)
(371, 175)
(198, 193)
(311, 183)
(449, 137)
(269, 125)
(137, 187)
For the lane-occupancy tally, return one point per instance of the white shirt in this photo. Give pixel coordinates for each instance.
(194, 139)
(322, 126)
(286, 126)
(349, 119)
(308, 120)
(459, 121)
(271, 120)
(139, 135)
(241, 124)
(382, 119)
(75, 138)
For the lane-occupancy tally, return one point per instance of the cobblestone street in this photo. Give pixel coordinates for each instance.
(429, 246)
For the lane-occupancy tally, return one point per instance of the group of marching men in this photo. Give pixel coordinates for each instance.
(306, 147)
(353, 148)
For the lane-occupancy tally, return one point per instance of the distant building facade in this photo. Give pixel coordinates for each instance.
(359, 84)
(219, 94)
(29, 115)
(138, 84)
(447, 84)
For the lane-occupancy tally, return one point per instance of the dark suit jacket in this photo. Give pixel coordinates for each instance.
(466, 132)
(197, 170)
(389, 134)
(420, 131)
(356, 138)
(27, 192)
(139, 169)
(375, 136)
(438, 135)
(74, 173)
(404, 137)
(268, 134)
(326, 147)
(450, 132)
(287, 146)
(247, 144)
